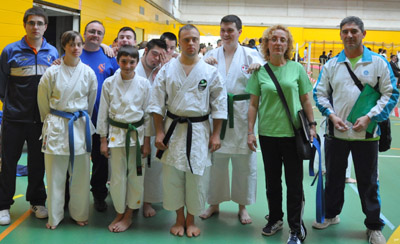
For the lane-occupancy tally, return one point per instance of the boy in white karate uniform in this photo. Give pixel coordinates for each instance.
(66, 97)
(122, 116)
(187, 90)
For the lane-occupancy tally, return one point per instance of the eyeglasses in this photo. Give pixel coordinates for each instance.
(94, 32)
(33, 23)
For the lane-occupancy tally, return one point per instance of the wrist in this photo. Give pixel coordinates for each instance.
(312, 123)
(250, 133)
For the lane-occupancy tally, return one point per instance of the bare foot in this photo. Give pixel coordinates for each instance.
(213, 209)
(178, 229)
(116, 220)
(123, 225)
(244, 216)
(48, 226)
(350, 180)
(148, 210)
(82, 223)
(191, 229)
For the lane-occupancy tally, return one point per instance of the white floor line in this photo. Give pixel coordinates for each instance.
(387, 222)
(388, 156)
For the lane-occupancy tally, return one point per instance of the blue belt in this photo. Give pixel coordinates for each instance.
(320, 195)
(72, 118)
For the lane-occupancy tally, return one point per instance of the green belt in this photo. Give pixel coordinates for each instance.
(131, 127)
(231, 99)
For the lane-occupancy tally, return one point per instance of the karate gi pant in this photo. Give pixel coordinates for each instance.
(56, 172)
(14, 135)
(153, 190)
(244, 179)
(126, 187)
(99, 170)
(185, 189)
(278, 151)
(365, 158)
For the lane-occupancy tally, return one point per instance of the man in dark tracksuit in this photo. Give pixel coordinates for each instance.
(22, 65)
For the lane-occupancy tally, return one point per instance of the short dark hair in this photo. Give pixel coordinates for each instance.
(232, 19)
(127, 28)
(128, 50)
(95, 21)
(69, 36)
(353, 19)
(156, 42)
(202, 45)
(187, 27)
(36, 11)
(170, 36)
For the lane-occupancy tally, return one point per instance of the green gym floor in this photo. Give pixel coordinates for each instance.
(224, 227)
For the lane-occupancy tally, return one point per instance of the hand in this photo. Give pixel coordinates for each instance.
(145, 149)
(57, 62)
(313, 133)
(338, 123)
(361, 123)
(214, 143)
(159, 141)
(252, 142)
(253, 67)
(211, 60)
(109, 51)
(104, 147)
(164, 57)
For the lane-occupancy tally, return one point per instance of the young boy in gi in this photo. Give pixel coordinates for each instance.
(122, 116)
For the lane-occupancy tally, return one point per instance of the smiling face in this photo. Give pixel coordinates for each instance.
(73, 48)
(229, 33)
(35, 27)
(94, 34)
(127, 64)
(126, 38)
(351, 36)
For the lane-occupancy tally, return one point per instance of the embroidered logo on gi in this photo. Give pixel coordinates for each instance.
(366, 72)
(101, 68)
(202, 85)
(245, 68)
(112, 138)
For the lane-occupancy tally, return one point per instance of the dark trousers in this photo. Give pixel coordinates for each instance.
(277, 151)
(14, 135)
(99, 170)
(365, 158)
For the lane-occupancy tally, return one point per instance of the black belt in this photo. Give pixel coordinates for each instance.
(181, 120)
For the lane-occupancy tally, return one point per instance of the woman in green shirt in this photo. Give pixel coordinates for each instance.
(275, 130)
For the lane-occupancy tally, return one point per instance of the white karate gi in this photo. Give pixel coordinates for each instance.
(234, 146)
(125, 102)
(185, 96)
(67, 89)
(153, 192)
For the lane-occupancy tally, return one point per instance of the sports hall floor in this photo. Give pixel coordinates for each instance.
(224, 227)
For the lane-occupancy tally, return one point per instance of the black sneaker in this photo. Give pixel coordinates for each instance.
(293, 238)
(272, 228)
(100, 205)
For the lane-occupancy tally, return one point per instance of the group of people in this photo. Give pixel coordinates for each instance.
(170, 125)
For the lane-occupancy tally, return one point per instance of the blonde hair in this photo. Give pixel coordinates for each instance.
(267, 35)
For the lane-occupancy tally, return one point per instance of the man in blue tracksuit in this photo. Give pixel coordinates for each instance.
(335, 94)
(22, 65)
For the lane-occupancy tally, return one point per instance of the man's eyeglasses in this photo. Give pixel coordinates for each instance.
(93, 32)
(33, 23)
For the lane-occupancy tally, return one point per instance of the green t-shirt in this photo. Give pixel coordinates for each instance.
(272, 118)
(353, 61)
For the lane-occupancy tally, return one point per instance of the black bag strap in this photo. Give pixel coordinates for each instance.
(357, 81)
(280, 93)
(354, 77)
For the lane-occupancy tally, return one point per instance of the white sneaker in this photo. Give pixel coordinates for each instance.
(375, 237)
(40, 211)
(326, 223)
(5, 217)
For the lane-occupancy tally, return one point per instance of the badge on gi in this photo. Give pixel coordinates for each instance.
(202, 85)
